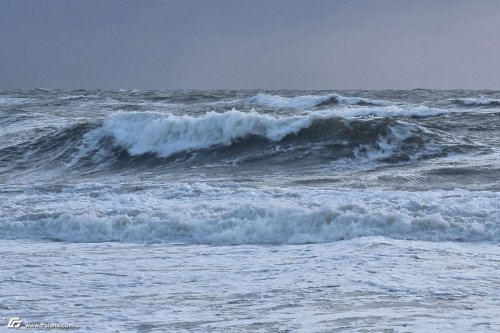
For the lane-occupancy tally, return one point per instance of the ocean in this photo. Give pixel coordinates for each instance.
(250, 211)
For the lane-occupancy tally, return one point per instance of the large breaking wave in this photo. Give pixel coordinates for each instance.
(235, 137)
(166, 134)
(320, 134)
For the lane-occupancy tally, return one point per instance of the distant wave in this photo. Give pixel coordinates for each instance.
(476, 101)
(14, 100)
(244, 219)
(325, 101)
(309, 101)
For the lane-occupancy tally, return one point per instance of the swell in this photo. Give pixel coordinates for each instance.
(53, 147)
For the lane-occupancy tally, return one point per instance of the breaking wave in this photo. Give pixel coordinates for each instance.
(245, 137)
(234, 137)
(167, 134)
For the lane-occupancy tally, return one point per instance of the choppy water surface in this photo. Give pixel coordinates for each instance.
(251, 210)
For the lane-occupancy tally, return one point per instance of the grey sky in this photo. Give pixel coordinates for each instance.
(268, 44)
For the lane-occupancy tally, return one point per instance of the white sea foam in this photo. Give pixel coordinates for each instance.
(192, 213)
(308, 101)
(370, 284)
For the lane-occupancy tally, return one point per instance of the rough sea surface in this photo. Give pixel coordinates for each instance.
(251, 211)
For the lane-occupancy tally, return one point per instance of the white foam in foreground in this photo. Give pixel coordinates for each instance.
(221, 216)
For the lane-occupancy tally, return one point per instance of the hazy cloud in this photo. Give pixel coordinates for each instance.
(205, 44)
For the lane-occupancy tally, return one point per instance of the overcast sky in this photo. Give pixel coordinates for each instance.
(241, 44)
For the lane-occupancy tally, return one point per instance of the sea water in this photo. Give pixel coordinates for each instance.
(258, 211)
